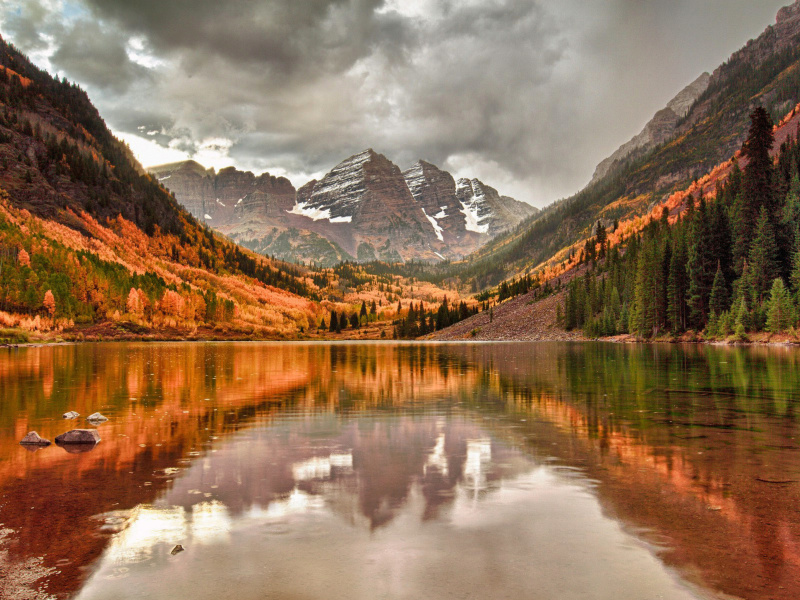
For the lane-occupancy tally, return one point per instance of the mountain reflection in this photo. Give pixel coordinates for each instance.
(695, 447)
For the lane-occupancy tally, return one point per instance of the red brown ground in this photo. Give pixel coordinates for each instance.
(520, 318)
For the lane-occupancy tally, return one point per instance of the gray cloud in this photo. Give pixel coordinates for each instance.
(98, 57)
(529, 95)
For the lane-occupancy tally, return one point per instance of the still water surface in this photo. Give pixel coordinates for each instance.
(365, 471)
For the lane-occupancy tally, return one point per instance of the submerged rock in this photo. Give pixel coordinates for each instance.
(79, 436)
(75, 448)
(70, 415)
(176, 550)
(96, 417)
(34, 439)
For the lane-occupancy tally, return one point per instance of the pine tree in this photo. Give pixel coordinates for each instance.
(763, 257)
(677, 285)
(780, 311)
(757, 182)
(721, 240)
(601, 238)
(701, 267)
(794, 278)
(718, 302)
(757, 190)
(334, 321)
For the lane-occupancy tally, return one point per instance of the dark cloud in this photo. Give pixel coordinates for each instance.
(527, 94)
(98, 57)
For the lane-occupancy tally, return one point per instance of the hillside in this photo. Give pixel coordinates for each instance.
(766, 72)
(719, 261)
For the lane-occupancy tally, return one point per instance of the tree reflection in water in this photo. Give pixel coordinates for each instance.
(210, 443)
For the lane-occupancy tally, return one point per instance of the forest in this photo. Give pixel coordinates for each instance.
(726, 265)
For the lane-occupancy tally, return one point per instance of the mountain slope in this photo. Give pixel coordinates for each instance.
(765, 72)
(86, 237)
(658, 130)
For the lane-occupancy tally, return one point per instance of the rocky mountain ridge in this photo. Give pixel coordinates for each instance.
(364, 209)
(659, 129)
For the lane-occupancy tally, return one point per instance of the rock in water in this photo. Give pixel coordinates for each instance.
(70, 415)
(34, 439)
(79, 436)
(96, 417)
(176, 550)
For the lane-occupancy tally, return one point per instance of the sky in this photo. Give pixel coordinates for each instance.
(526, 95)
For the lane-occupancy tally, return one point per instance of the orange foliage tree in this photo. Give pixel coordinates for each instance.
(49, 303)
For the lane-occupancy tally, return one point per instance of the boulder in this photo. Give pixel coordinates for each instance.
(34, 439)
(79, 436)
(70, 415)
(96, 417)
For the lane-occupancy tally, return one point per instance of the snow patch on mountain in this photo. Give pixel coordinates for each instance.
(317, 214)
(473, 204)
(436, 227)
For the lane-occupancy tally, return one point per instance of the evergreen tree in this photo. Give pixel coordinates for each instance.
(701, 267)
(763, 257)
(794, 278)
(718, 302)
(721, 240)
(780, 310)
(677, 285)
(334, 322)
(601, 238)
(757, 184)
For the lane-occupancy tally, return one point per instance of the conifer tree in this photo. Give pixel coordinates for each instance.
(334, 321)
(794, 277)
(757, 182)
(721, 240)
(718, 302)
(677, 285)
(780, 310)
(757, 187)
(763, 257)
(701, 267)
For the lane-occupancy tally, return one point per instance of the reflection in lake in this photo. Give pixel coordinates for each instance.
(402, 471)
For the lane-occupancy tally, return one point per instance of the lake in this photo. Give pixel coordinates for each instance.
(402, 471)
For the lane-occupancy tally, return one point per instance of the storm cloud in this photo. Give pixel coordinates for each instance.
(527, 95)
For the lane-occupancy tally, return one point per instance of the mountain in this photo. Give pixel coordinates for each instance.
(659, 129)
(766, 72)
(465, 214)
(366, 198)
(364, 209)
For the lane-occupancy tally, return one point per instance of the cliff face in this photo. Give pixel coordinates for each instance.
(364, 209)
(465, 215)
(229, 196)
(368, 193)
(486, 211)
